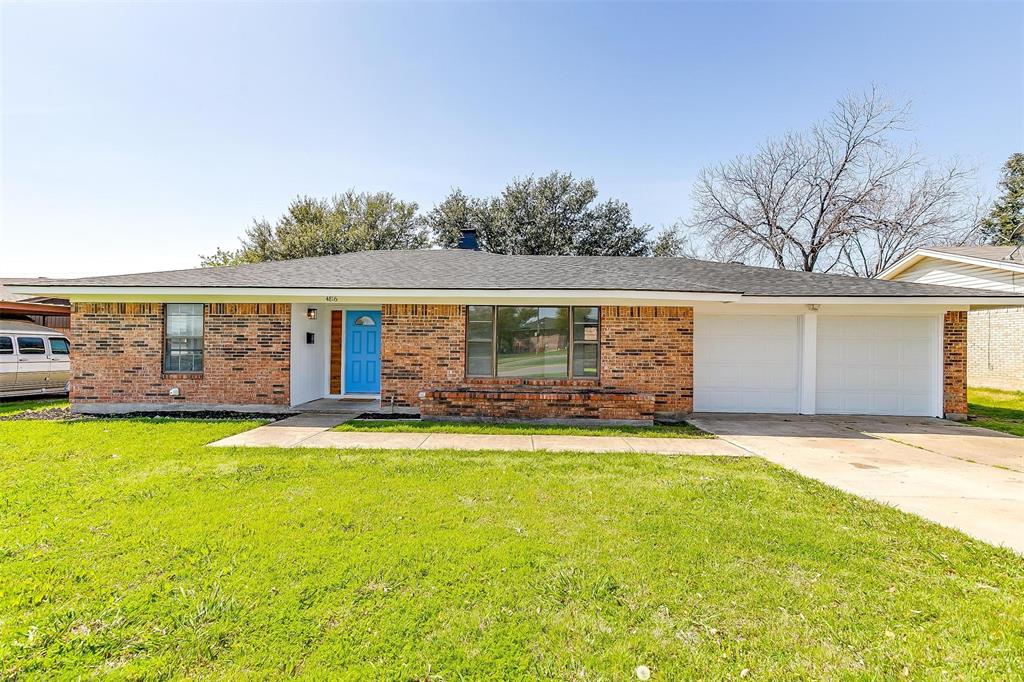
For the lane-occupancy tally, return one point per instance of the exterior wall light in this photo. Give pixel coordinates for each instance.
(310, 313)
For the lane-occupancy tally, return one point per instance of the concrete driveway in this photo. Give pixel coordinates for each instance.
(959, 476)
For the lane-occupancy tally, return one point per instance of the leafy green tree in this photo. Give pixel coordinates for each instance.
(320, 227)
(1004, 225)
(555, 214)
(671, 242)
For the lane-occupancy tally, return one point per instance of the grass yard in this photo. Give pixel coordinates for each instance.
(128, 548)
(514, 429)
(997, 410)
(10, 407)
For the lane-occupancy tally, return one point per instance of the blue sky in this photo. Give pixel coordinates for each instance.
(136, 137)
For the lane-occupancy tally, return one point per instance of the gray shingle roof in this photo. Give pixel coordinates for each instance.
(461, 269)
(993, 253)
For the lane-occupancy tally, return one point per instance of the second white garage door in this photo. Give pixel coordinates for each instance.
(877, 365)
(746, 363)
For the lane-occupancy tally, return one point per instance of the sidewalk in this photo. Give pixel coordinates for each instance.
(314, 431)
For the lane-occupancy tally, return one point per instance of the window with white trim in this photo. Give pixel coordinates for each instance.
(183, 337)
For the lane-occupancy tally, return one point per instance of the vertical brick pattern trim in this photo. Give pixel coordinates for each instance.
(422, 347)
(117, 355)
(954, 362)
(649, 349)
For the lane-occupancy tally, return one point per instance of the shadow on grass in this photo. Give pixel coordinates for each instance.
(977, 410)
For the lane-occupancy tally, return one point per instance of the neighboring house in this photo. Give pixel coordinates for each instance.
(43, 310)
(463, 333)
(995, 334)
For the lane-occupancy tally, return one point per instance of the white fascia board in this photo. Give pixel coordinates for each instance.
(901, 265)
(795, 308)
(921, 254)
(949, 301)
(341, 296)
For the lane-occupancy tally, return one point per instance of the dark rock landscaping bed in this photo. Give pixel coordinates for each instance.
(65, 414)
(375, 416)
(49, 413)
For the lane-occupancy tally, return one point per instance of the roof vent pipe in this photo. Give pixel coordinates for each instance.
(468, 240)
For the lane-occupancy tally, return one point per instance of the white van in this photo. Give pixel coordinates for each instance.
(33, 359)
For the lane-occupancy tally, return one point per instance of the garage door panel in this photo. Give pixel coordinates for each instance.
(746, 363)
(916, 352)
(885, 352)
(885, 379)
(876, 365)
(915, 376)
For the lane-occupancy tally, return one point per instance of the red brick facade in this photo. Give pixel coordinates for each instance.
(650, 350)
(954, 363)
(646, 363)
(422, 347)
(646, 366)
(117, 355)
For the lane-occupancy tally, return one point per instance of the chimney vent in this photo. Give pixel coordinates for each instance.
(468, 240)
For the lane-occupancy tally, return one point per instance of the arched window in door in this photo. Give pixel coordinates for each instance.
(365, 321)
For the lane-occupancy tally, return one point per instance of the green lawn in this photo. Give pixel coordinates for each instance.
(128, 548)
(513, 429)
(998, 410)
(9, 407)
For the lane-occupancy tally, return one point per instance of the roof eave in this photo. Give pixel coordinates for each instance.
(378, 295)
(919, 255)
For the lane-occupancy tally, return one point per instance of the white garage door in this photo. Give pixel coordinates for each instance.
(746, 363)
(877, 365)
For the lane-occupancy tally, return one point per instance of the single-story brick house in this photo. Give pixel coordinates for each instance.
(463, 333)
(995, 333)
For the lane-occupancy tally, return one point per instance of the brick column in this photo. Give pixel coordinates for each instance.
(954, 364)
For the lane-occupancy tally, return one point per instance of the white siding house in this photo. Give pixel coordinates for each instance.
(995, 334)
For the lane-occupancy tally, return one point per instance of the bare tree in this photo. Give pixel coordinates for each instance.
(929, 209)
(816, 200)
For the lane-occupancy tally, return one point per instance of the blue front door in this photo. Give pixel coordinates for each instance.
(362, 351)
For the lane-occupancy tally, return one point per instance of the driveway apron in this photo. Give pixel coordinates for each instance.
(962, 477)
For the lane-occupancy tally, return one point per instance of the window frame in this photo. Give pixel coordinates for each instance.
(51, 339)
(202, 341)
(30, 351)
(569, 376)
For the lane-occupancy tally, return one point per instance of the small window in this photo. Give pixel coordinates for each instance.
(365, 321)
(59, 346)
(6, 346)
(31, 345)
(585, 344)
(183, 343)
(480, 341)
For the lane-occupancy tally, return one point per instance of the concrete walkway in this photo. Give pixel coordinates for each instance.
(959, 476)
(313, 431)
